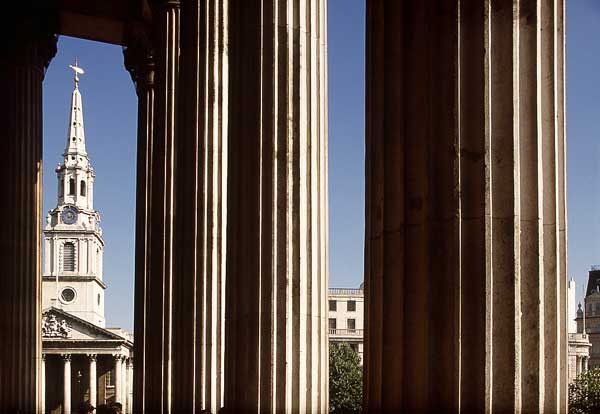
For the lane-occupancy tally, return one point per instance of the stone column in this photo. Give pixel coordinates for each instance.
(200, 206)
(43, 385)
(66, 383)
(465, 207)
(129, 392)
(118, 379)
(29, 47)
(276, 326)
(124, 383)
(93, 380)
(139, 61)
(155, 236)
(585, 364)
(579, 364)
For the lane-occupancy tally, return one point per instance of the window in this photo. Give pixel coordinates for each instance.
(71, 186)
(597, 306)
(351, 306)
(351, 324)
(332, 323)
(332, 305)
(67, 295)
(354, 347)
(82, 191)
(69, 257)
(110, 379)
(61, 188)
(98, 299)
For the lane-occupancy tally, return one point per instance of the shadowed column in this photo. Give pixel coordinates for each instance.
(28, 48)
(465, 252)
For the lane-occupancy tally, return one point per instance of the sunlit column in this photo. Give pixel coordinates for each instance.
(67, 383)
(43, 385)
(118, 378)
(129, 393)
(585, 364)
(201, 146)
(467, 211)
(277, 223)
(93, 380)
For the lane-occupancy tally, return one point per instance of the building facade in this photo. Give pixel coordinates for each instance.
(588, 319)
(579, 341)
(346, 317)
(82, 360)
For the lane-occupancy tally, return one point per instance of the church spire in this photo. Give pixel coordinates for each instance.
(76, 137)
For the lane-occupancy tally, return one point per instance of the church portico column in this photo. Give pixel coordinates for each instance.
(29, 45)
(276, 327)
(467, 212)
(43, 385)
(157, 97)
(118, 378)
(93, 379)
(129, 390)
(66, 383)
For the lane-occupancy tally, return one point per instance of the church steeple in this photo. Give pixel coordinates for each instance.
(76, 135)
(73, 238)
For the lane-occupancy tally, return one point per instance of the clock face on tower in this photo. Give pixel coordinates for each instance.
(69, 215)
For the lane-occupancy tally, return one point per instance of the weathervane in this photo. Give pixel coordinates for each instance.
(77, 70)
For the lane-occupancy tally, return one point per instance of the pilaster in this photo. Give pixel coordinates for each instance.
(276, 332)
(28, 49)
(465, 215)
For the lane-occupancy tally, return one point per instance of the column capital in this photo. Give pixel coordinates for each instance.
(92, 357)
(118, 357)
(164, 3)
(139, 57)
(66, 357)
(43, 357)
(35, 41)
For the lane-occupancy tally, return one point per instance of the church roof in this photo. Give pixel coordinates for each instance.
(61, 326)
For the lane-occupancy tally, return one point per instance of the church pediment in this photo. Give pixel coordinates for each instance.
(60, 325)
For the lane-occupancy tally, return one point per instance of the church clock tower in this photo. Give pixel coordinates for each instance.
(73, 243)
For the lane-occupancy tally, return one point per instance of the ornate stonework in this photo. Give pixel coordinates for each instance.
(53, 328)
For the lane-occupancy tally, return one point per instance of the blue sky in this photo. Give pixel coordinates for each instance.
(109, 104)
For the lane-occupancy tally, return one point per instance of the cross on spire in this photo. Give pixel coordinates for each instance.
(78, 71)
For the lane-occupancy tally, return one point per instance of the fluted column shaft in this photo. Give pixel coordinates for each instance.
(276, 336)
(118, 378)
(43, 385)
(139, 61)
(29, 47)
(129, 393)
(465, 206)
(93, 380)
(155, 73)
(66, 384)
(200, 206)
